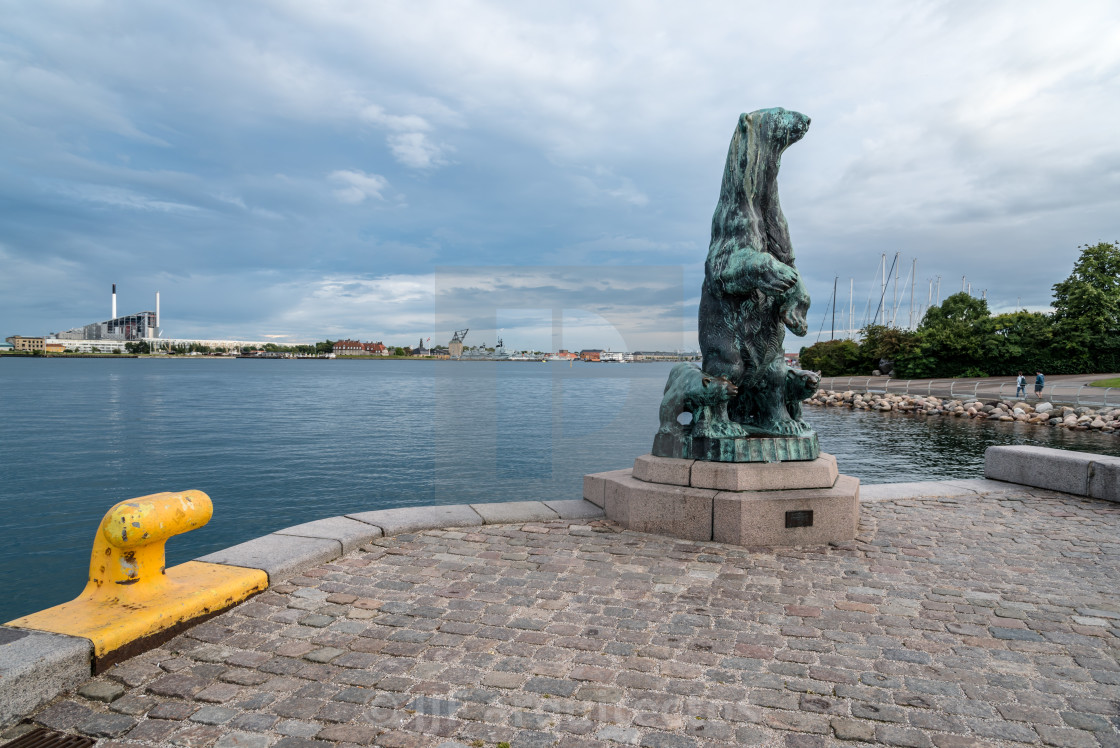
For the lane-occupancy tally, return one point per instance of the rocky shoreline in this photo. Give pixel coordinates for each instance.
(1105, 420)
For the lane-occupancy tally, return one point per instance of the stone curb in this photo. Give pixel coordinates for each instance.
(279, 556)
(36, 666)
(1079, 473)
(351, 533)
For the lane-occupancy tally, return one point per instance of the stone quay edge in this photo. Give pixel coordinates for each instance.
(35, 667)
(996, 624)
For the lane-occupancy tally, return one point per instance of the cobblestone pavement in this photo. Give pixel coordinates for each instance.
(989, 620)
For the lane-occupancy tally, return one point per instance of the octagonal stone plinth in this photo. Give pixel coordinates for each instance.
(756, 504)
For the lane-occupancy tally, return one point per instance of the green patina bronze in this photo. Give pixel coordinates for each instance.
(745, 401)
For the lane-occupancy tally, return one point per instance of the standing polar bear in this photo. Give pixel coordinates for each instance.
(752, 292)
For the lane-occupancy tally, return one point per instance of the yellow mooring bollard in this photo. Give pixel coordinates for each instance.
(131, 603)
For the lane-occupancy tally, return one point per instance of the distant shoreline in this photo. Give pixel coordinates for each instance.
(148, 356)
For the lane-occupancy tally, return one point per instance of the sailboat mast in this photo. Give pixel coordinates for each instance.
(851, 308)
(894, 301)
(913, 280)
(834, 281)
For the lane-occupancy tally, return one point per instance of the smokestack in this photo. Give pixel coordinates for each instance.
(114, 302)
(157, 312)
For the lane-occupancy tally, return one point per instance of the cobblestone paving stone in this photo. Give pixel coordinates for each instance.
(991, 620)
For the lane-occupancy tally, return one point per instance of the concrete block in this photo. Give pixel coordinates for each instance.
(36, 666)
(676, 511)
(595, 484)
(576, 509)
(1042, 467)
(669, 470)
(765, 476)
(507, 512)
(1104, 478)
(758, 518)
(279, 556)
(419, 518)
(350, 532)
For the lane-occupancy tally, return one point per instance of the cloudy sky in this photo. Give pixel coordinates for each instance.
(395, 170)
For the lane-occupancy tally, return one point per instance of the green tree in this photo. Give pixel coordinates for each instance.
(881, 342)
(1021, 342)
(1087, 305)
(833, 358)
(955, 339)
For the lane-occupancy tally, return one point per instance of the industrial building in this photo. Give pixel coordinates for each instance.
(116, 332)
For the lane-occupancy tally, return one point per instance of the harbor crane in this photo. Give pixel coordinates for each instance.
(455, 347)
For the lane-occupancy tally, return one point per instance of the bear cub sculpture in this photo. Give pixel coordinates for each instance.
(800, 385)
(704, 396)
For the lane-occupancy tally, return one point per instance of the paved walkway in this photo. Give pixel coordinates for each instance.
(1059, 388)
(951, 621)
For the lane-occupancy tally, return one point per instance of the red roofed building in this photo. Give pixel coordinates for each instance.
(355, 348)
(348, 348)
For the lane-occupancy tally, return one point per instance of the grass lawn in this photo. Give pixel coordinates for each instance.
(1114, 382)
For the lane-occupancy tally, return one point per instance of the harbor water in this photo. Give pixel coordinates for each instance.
(279, 442)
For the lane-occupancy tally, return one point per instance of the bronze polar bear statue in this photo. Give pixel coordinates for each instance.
(752, 291)
(800, 384)
(690, 389)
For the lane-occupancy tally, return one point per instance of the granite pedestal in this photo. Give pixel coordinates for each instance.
(805, 502)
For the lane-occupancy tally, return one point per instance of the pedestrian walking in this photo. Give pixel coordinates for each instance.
(1039, 380)
(1021, 386)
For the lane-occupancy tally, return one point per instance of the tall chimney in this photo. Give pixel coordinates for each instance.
(157, 312)
(114, 302)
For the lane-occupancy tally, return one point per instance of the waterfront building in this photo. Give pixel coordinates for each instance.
(591, 354)
(357, 348)
(131, 327)
(348, 348)
(22, 343)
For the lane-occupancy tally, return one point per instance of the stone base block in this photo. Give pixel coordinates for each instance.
(662, 509)
(795, 517)
(674, 471)
(1080, 473)
(764, 476)
(594, 485)
(1042, 467)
